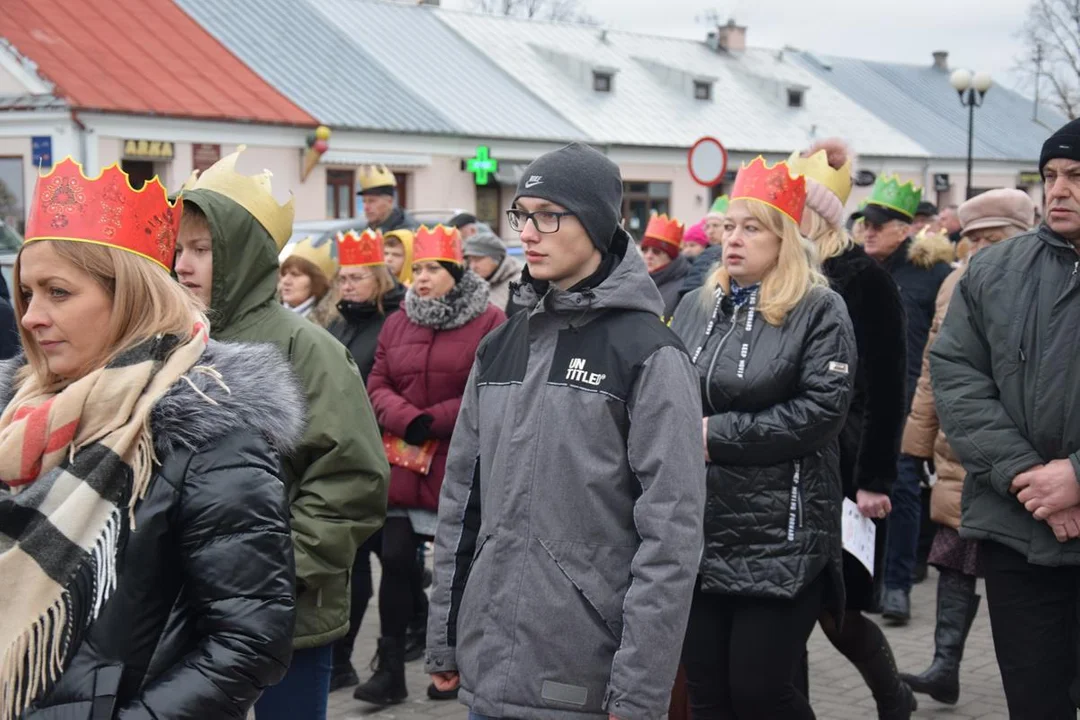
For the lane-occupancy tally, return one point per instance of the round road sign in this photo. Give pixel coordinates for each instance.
(707, 161)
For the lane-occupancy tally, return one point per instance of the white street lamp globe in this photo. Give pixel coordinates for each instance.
(960, 80)
(982, 81)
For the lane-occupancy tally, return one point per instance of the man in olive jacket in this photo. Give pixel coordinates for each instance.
(337, 476)
(1007, 386)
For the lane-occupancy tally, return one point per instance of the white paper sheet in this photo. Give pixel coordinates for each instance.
(860, 534)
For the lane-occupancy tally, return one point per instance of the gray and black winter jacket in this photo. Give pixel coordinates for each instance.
(772, 513)
(570, 516)
(1007, 384)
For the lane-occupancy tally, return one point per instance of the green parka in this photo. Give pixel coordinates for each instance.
(337, 477)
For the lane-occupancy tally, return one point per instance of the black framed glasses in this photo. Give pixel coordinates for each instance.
(545, 221)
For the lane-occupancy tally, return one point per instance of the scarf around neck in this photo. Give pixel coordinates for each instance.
(73, 457)
(468, 299)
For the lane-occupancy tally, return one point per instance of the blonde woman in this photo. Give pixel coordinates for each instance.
(776, 354)
(870, 439)
(146, 459)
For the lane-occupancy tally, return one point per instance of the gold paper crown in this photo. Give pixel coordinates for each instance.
(251, 192)
(817, 168)
(376, 176)
(318, 255)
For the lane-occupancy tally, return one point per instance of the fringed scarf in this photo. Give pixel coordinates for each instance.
(72, 458)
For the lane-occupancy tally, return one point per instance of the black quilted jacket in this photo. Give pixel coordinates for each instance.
(772, 513)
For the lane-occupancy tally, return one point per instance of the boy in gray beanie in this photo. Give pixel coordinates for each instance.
(582, 411)
(582, 180)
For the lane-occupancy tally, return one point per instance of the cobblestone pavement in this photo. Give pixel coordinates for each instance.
(837, 690)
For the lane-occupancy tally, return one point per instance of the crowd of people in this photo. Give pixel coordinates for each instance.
(630, 457)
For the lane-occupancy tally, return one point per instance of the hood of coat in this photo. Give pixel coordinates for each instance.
(929, 250)
(257, 390)
(245, 261)
(509, 270)
(677, 269)
(466, 302)
(627, 287)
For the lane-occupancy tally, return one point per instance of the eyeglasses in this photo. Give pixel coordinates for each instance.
(545, 221)
(353, 279)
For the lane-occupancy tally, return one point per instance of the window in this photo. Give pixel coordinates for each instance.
(402, 194)
(794, 98)
(702, 90)
(339, 194)
(602, 81)
(641, 200)
(12, 206)
(139, 172)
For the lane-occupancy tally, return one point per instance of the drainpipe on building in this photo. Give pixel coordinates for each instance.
(80, 127)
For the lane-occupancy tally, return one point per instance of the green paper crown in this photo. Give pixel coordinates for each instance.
(720, 205)
(888, 192)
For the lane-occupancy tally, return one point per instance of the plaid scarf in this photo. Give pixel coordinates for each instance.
(74, 457)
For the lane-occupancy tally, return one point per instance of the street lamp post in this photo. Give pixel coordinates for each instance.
(972, 89)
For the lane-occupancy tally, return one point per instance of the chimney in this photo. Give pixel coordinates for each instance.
(434, 3)
(941, 60)
(731, 37)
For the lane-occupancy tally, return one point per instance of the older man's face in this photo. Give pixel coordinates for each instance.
(1061, 180)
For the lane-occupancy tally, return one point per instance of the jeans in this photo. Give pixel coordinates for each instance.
(743, 656)
(902, 541)
(303, 692)
(1033, 617)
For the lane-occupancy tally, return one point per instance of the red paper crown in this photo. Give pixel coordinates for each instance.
(360, 250)
(666, 230)
(773, 186)
(104, 210)
(439, 243)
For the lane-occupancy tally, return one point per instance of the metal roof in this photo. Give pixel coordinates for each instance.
(919, 101)
(652, 102)
(377, 65)
(135, 56)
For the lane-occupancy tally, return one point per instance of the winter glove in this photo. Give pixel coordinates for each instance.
(419, 430)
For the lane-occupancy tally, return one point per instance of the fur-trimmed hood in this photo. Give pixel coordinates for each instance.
(928, 250)
(463, 304)
(262, 394)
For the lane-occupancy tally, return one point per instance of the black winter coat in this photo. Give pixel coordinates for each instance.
(870, 440)
(359, 324)
(201, 621)
(699, 268)
(919, 267)
(669, 281)
(772, 513)
(9, 331)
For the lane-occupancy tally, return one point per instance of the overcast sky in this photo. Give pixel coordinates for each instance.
(979, 34)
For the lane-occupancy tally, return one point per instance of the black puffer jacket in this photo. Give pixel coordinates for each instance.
(772, 513)
(359, 324)
(870, 440)
(201, 621)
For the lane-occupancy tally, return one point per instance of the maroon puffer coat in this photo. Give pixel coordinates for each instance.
(420, 370)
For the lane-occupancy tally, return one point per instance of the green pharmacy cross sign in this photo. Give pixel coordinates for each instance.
(483, 165)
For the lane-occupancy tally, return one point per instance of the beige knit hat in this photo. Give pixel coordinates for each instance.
(997, 208)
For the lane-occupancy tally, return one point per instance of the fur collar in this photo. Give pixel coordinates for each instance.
(263, 394)
(929, 250)
(466, 302)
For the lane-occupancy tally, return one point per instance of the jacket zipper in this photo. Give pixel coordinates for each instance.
(795, 508)
(715, 356)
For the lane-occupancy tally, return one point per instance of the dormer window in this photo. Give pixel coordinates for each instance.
(795, 97)
(702, 90)
(602, 81)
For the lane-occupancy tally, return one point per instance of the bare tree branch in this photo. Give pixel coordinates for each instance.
(1051, 38)
(549, 10)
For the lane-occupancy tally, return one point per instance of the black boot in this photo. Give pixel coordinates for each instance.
(957, 605)
(387, 684)
(894, 698)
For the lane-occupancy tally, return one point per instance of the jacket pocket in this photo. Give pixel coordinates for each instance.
(569, 624)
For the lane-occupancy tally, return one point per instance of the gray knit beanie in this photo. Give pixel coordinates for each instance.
(582, 180)
(485, 244)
